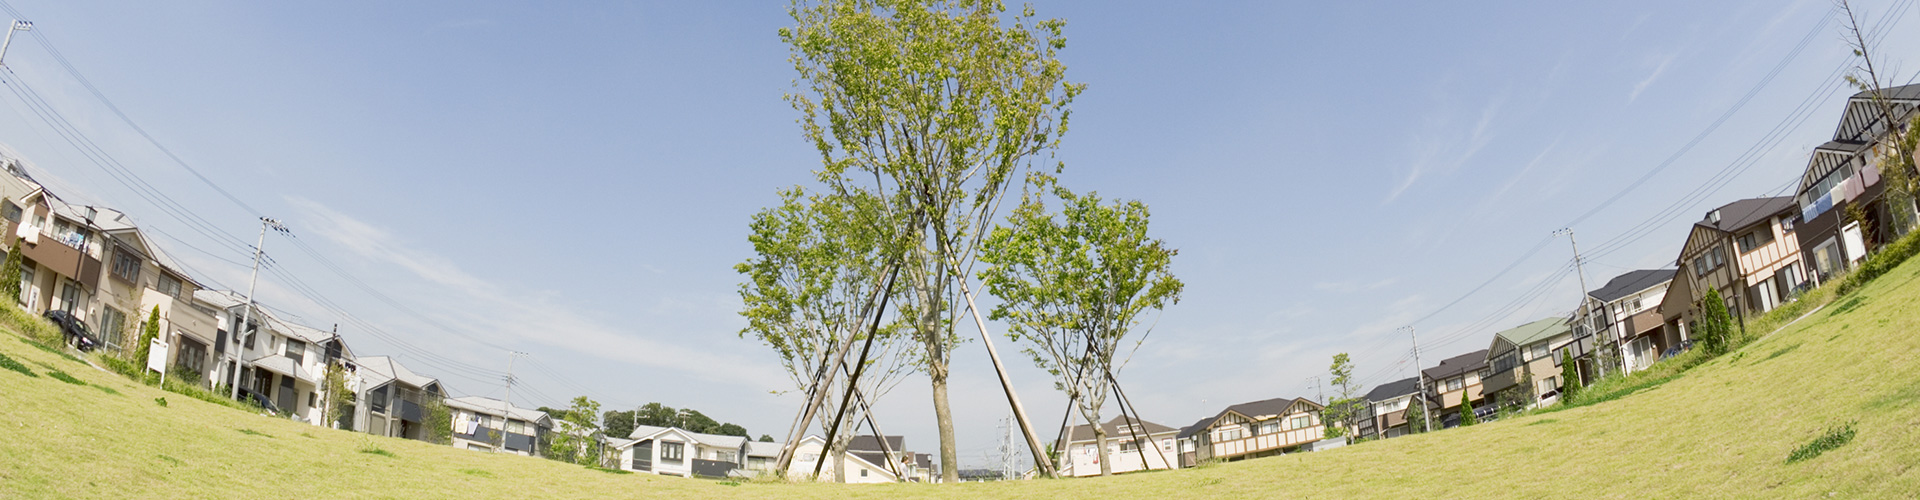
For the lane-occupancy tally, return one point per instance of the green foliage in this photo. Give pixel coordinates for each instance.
(1834, 437)
(1346, 406)
(51, 350)
(1880, 263)
(575, 439)
(931, 109)
(1715, 331)
(1569, 375)
(148, 331)
(34, 327)
(10, 364)
(10, 275)
(339, 398)
(1416, 416)
(1466, 411)
(1073, 285)
(369, 448)
(439, 420)
(767, 438)
(162, 401)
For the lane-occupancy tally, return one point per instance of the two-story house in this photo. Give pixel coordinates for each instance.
(1528, 354)
(1845, 171)
(1387, 408)
(142, 279)
(61, 249)
(479, 421)
(1625, 316)
(1256, 429)
(391, 400)
(1748, 251)
(1456, 380)
(671, 451)
(1132, 445)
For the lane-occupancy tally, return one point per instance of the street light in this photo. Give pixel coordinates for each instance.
(17, 25)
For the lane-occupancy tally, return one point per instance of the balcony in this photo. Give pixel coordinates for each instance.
(1268, 442)
(62, 259)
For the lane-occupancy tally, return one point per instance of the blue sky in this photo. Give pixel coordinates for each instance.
(575, 180)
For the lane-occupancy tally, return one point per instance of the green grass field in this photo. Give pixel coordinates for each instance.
(1845, 376)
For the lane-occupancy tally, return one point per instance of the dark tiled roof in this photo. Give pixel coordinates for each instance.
(1192, 430)
(1630, 283)
(1394, 389)
(868, 443)
(1256, 409)
(1900, 92)
(1084, 432)
(1740, 214)
(925, 461)
(1457, 365)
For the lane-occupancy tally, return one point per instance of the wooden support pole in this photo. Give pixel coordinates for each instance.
(1006, 383)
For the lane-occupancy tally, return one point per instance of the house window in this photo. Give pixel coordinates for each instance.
(112, 326)
(1537, 351)
(297, 351)
(1129, 445)
(1755, 239)
(193, 356)
(671, 451)
(10, 211)
(1230, 434)
(863, 473)
(1302, 422)
(313, 399)
(70, 297)
(169, 285)
(1454, 384)
(1088, 450)
(1269, 427)
(126, 266)
(517, 427)
(727, 456)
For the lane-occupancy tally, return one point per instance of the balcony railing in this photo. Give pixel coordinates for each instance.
(1266, 442)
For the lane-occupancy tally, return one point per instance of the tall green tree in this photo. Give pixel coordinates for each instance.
(576, 439)
(932, 106)
(1073, 286)
(10, 274)
(1569, 376)
(1466, 411)
(1715, 330)
(1342, 412)
(1897, 152)
(339, 398)
(148, 331)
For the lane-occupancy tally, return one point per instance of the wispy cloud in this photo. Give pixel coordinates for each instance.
(1659, 68)
(473, 305)
(1442, 148)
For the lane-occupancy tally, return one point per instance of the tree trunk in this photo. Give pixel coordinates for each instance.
(949, 457)
(1106, 459)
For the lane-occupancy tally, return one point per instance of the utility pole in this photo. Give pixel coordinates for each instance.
(17, 25)
(246, 315)
(506, 405)
(1425, 414)
(1586, 303)
(1317, 390)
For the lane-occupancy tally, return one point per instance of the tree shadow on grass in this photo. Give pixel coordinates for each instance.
(1846, 307)
(1905, 396)
(1782, 352)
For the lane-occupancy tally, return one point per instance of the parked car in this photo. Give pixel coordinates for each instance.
(75, 330)
(259, 399)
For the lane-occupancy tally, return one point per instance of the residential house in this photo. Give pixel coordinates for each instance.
(1625, 316)
(1187, 442)
(1256, 429)
(1747, 251)
(1454, 380)
(391, 400)
(761, 457)
(672, 451)
(1527, 354)
(142, 279)
(892, 454)
(1132, 445)
(479, 424)
(60, 249)
(1386, 411)
(1845, 171)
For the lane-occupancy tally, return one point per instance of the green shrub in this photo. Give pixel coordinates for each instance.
(1466, 411)
(1716, 325)
(1569, 376)
(26, 323)
(1878, 264)
(1834, 438)
(148, 331)
(10, 275)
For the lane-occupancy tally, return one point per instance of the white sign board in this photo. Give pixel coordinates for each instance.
(1852, 243)
(157, 356)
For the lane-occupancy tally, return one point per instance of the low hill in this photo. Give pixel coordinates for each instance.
(1723, 429)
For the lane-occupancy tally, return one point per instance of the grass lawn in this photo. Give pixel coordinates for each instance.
(1846, 377)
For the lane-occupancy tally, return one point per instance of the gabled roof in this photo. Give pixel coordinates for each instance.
(646, 432)
(1256, 410)
(1116, 429)
(1631, 283)
(490, 406)
(1192, 430)
(1394, 389)
(380, 369)
(1521, 336)
(1457, 365)
(1740, 214)
(870, 443)
(285, 366)
(764, 450)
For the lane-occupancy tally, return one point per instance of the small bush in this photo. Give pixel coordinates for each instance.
(1878, 264)
(1834, 438)
(10, 364)
(162, 401)
(33, 327)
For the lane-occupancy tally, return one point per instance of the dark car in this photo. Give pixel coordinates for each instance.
(76, 331)
(260, 400)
